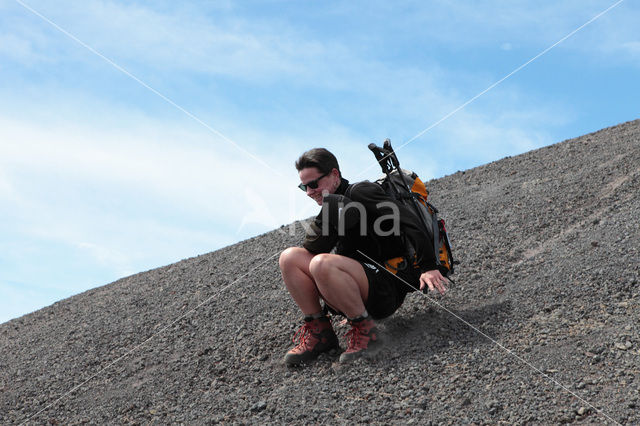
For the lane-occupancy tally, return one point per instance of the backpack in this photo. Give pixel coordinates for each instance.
(406, 187)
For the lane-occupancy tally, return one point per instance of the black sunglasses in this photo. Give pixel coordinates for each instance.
(312, 184)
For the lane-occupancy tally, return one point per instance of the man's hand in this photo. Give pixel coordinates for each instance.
(433, 280)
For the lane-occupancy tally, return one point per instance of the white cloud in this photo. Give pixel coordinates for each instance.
(19, 299)
(506, 46)
(177, 38)
(463, 24)
(619, 45)
(16, 48)
(632, 46)
(612, 36)
(80, 185)
(181, 168)
(183, 38)
(113, 258)
(6, 188)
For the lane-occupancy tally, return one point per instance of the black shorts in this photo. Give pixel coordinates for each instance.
(386, 290)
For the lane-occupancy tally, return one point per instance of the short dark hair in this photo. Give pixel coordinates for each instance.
(319, 158)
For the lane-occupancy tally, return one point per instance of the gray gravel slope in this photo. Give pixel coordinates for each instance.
(541, 327)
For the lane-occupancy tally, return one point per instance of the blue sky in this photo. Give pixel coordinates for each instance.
(105, 173)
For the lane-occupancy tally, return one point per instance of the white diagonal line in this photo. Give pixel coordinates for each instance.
(139, 345)
(422, 132)
(501, 346)
(145, 85)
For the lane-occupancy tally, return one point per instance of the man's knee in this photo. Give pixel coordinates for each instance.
(293, 257)
(320, 265)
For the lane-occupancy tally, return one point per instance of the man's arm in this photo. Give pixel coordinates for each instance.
(315, 241)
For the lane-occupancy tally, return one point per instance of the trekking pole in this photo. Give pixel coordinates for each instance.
(383, 156)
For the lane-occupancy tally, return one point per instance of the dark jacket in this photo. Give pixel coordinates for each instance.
(379, 246)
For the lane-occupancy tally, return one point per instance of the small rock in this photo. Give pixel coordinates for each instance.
(621, 346)
(581, 411)
(493, 406)
(259, 406)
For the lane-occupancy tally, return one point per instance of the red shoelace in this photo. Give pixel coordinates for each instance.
(303, 333)
(356, 338)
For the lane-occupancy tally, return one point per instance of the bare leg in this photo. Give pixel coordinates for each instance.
(341, 281)
(294, 265)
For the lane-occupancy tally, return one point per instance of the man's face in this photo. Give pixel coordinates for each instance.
(326, 184)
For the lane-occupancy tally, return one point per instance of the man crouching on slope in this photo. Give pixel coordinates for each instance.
(360, 224)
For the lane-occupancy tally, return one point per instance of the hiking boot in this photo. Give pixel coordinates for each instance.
(363, 339)
(316, 336)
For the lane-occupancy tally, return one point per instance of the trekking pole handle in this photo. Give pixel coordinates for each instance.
(392, 155)
(395, 163)
(382, 156)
